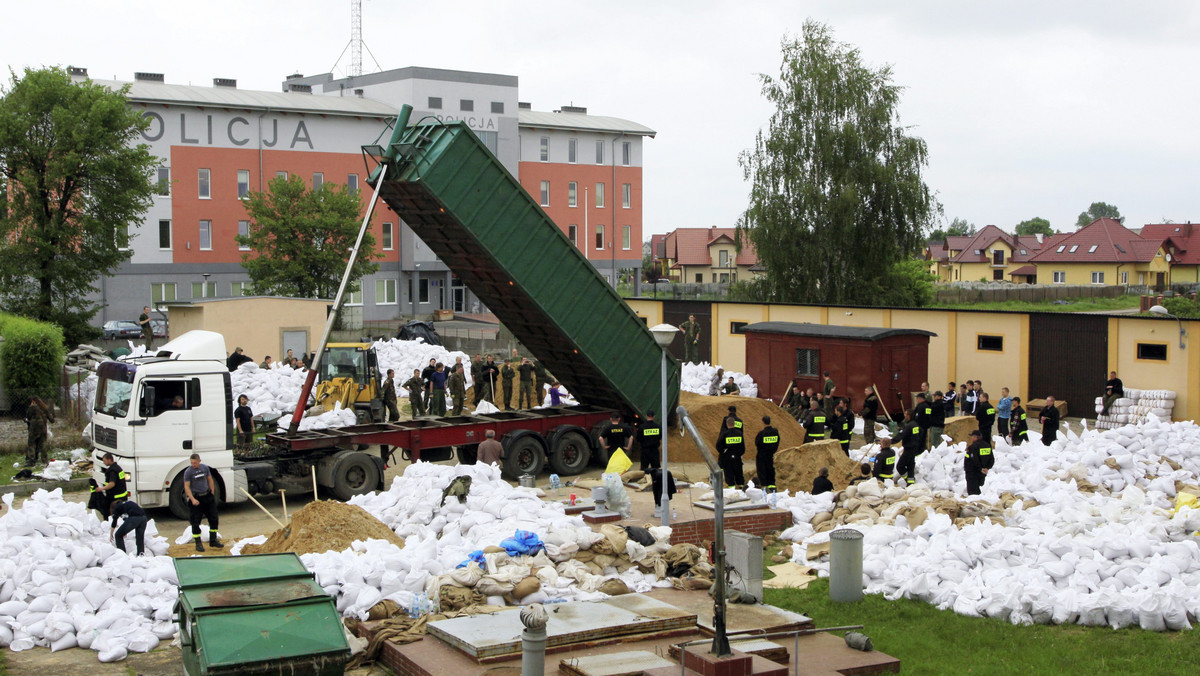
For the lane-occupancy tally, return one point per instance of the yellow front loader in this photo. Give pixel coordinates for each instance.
(350, 375)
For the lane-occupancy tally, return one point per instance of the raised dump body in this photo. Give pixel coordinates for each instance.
(477, 218)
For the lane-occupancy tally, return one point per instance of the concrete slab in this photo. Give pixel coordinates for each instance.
(631, 663)
(744, 506)
(738, 617)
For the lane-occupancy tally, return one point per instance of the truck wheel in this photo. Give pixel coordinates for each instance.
(177, 501)
(525, 455)
(570, 454)
(468, 454)
(356, 474)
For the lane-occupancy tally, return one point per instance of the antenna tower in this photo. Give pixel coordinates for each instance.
(356, 41)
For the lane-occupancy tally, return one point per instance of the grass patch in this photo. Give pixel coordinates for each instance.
(932, 641)
(59, 447)
(1071, 305)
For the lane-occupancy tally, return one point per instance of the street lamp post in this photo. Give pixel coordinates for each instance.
(663, 335)
(1160, 310)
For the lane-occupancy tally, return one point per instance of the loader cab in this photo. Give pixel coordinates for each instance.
(350, 376)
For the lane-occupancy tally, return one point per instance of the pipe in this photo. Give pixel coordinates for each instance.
(533, 640)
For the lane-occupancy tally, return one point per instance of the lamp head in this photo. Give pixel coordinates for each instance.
(664, 334)
(1160, 310)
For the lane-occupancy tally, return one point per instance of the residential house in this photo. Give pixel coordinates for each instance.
(708, 256)
(1183, 248)
(1104, 252)
(989, 255)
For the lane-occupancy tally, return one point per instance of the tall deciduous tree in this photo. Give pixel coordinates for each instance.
(300, 239)
(77, 182)
(836, 196)
(959, 227)
(1034, 226)
(1099, 210)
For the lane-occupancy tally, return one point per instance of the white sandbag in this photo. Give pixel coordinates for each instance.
(63, 642)
(116, 653)
(143, 642)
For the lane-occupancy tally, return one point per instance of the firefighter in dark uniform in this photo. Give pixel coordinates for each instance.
(737, 422)
(843, 426)
(923, 415)
(765, 445)
(115, 487)
(615, 434)
(814, 422)
(985, 413)
(389, 396)
(730, 449)
(885, 461)
(910, 440)
(1049, 420)
(650, 439)
(977, 462)
(1020, 423)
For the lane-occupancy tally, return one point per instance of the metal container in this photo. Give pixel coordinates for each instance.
(256, 614)
(845, 565)
(528, 481)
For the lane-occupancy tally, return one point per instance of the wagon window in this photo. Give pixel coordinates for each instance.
(808, 362)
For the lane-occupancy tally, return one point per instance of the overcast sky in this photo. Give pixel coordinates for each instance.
(1029, 108)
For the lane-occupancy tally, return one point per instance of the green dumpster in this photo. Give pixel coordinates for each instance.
(256, 614)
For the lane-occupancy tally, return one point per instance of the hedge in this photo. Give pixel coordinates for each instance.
(31, 359)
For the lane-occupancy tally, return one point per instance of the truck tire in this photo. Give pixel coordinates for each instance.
(177, 500)
(570, 453)
(524, 453)
(355, 474)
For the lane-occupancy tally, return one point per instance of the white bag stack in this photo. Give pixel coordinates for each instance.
(1135, 407)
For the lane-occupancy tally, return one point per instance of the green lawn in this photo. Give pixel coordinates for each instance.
(932, 641)
(1072, 305)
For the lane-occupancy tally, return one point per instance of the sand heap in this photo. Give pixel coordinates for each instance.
(324, 526)
(795, 468)
(959, 428)
(707, 414)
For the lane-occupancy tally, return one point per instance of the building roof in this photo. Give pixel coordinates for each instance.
(582, 122)
(983, 240)
(1184, 244)
(247, 99)
(829, 331)
(658, 246)
(1024, 271)
(1104, 240)
(689, 246)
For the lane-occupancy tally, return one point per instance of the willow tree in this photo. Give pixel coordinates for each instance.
(836, 199)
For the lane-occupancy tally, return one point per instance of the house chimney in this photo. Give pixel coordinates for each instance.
(224, 82)
(76, 71)
(149, 77)
(1039, 237)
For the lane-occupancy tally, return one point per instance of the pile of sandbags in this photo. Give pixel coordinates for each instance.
(698, 378)
(1135, 407)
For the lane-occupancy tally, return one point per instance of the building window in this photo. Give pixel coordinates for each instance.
(206, 235)
(497, 107)
(998, 257)
(722, 259)
(387, 236)
(626, 152)
(990, 343)
(243, 231)
(385, 292)
(572, 194)
(423, 290)
(164, 234)
(1074, 248)
(205, 187)
(626, 194)
(599, 195)
(243, 183)
(699, 278)
(466, 105)
(737, 328)
(625, 235)
(571, 149)
(164, 181)
(1152, 351)
(1124, 277)
(204, 289)
(352, 182)
(1097, 277)
(354, 294)
(545, 195)
(281, 174)
(318, 180)
(435, 103)
(161, 292)
(544, 149)
(1060, 276)
(724, 277)
(491, 140)
(599, 152)
(239, 289)
(599, 237)
(808, 362)
(998, 275)
(573, 234)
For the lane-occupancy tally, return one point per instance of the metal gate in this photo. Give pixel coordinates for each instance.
(1068, 358)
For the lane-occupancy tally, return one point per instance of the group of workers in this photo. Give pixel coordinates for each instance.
(428, 387)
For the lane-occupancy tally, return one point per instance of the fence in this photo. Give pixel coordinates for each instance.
(1033, 293)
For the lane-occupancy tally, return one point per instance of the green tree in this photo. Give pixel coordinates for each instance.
(836, 193)
(1099, 210)
(77, 181)
(299, 239)
(1034, 226)
(958, 227)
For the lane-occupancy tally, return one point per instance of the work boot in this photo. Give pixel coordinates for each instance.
(214, 542)
(199, 545)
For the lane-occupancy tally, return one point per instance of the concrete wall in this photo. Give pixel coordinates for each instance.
(256, 323)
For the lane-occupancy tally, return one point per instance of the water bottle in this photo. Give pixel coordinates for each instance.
(555, 483)
(674, 514)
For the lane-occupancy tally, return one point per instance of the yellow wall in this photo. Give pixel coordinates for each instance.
(941, 357)
(1182, 274)
(1180, 372)
(995, 369)
(651, 310)
(729, 349)
(254, 323)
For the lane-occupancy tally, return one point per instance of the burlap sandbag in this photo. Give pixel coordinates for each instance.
(614, 587)
(526, 587)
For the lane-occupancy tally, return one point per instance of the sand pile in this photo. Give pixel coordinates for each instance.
(959, 429)
(795, 468)
(324, 526)
(707, 414)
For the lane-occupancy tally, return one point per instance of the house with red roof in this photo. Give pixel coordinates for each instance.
(1105, 252)
(1183, 248)
(708, 256)
(989, 255)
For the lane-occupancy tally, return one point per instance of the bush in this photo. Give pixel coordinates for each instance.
(1182, 306)
(31, 359)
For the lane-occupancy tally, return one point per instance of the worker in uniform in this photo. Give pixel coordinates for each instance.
(437, 391)
(1114, 389)
(201, 493)
(814, 422)
(691, 339)
(116, 487)
(38, 415)
(147, 327)
(937, 420)
(615, 434)
(730, 449)
(490, 373)
(910, 441)
(1049, 419)
(427, 376)
(476, 373)
(457, 385)
(649, 436)
(985, 413)
(415, 386)
(791, 403)
(1020, 423)
(737, 421)
(978, 460)
(507, 373)
(765, 446)
(730, 387)
(922, 413)
(843, 426)
(869, 413)
(829, 389)
(243, 417)
(525, 397)
(389, 396)
(541, 378)
(134, 520)
(885, 461)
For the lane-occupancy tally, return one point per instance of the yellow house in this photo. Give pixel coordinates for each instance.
(1182, 242)
(708, 256)
(989, 255)
(1105, 252)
